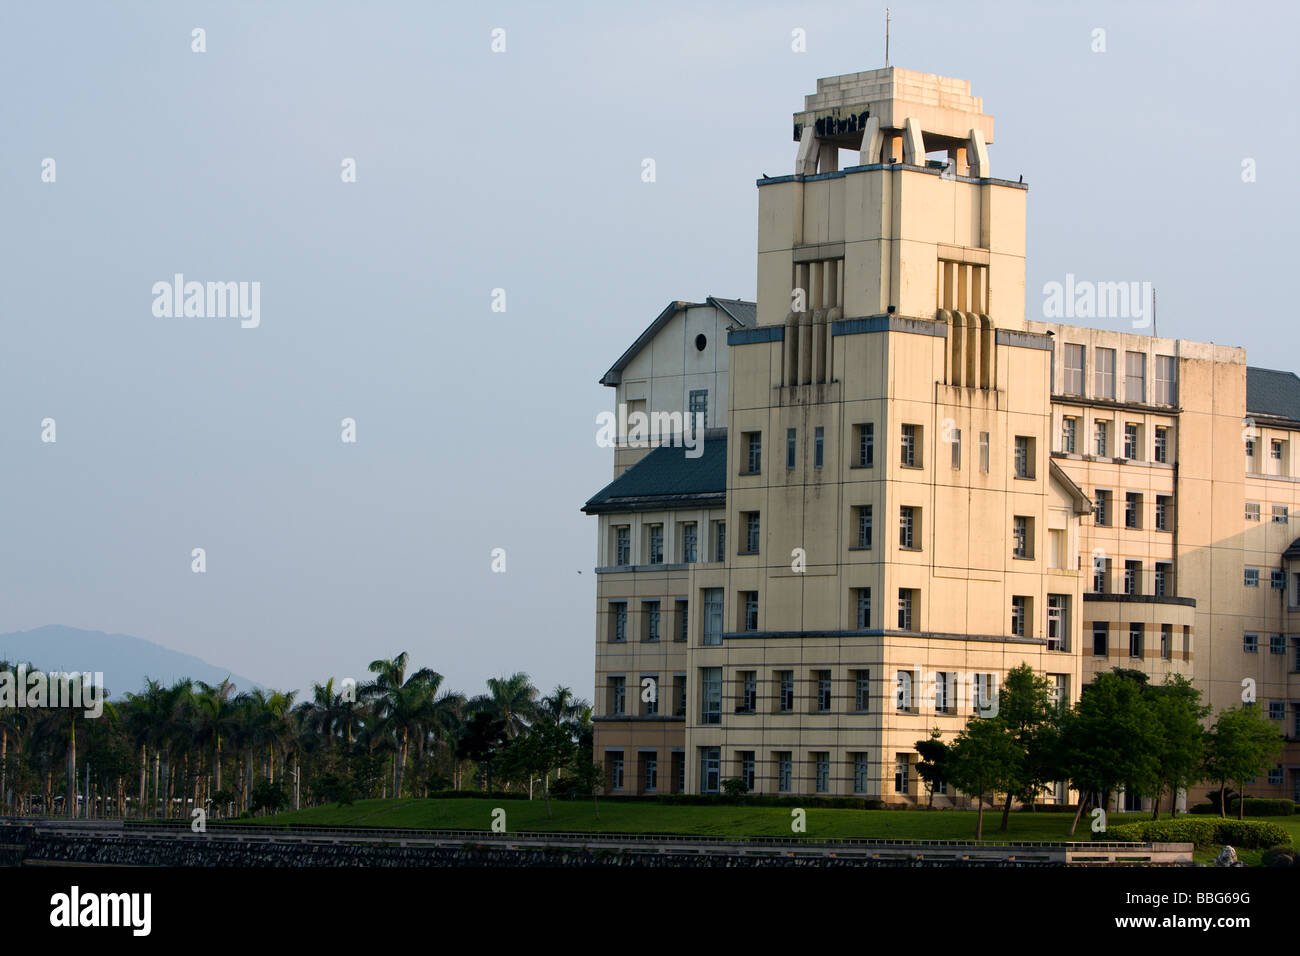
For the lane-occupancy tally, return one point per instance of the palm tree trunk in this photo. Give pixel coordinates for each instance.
(157, 764)
(4, 756)
(144, 778)
(70, 798)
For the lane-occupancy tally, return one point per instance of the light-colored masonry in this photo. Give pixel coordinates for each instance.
(971, 490)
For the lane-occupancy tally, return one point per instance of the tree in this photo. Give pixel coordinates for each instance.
(1027, 710)
(484, 737)
(934, 763)
(1180, 740)
(588, 775)
(1241, 744)
(983, 759)
(403, 705)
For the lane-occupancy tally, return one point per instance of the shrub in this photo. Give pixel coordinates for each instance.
(1247, 834)
(734, 787)
(1262, 807)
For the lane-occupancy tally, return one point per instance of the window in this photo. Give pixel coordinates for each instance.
(955, 442)
(1056, 545)
(904, 609)
(1132, 510)
(1100, 639)
(1275, 776)
(617, 695)
(650, 615)
(1058, 622)
(1166, 381)
(1280, 514)
(1021, 537)
(784, 770)
(903, 691)
(1275, 450)
(712, 630)
(862, 691)
(823, 679)
(819, 446)
(909, 518)
(656, 543)
(651, 766)
(749, 610)
(747, 769)
(984, 453)
(1164, 578)
(1278, 579)
(690, 542)
(1102, 443)
(785, 701)
(910, 454)
(1132, 577)
(753, 444)
(679, 695)
(863, 514)
(683, 620)
(618, 621)
(711, 695)
(1100, 573)
(1024, 457)
(1280, 457)
(1101, 508)
(1252, 510)
(1277, 710)
(861, 773)
(1252, 577)
(791, 445)
(751, 523)
(1276, 644)
(1162, 444)
(822, 765)
(1104, 384)
(1166, 640)
(651, 705)
(902, 777)
(1135, 633)
(719, 541)
(865, 435)
(1019, 615)
(1162, 512)
(1250, 643)
(1074, 369)
(614, 767)
(1069, 433)
(699, 405)
(862, 598)
(710, 769)
(1059, 690)
(1131, 441)
(748, 692)
(1135, 376)
(622, 545)
(984, 691)
(945, 692)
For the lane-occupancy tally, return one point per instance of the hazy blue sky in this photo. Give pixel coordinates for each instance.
(477, 171)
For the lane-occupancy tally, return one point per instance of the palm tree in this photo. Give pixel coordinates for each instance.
(514, 700)
(215, 715)
(404, 706)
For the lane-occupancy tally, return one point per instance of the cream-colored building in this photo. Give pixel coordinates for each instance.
(905, 489)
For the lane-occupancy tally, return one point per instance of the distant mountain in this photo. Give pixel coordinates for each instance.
(124, 661)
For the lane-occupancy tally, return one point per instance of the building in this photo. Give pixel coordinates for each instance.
(917, 489)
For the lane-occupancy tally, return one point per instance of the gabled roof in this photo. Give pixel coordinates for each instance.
(1292, 552)
(1269, 392)
(667, 478)
(1082, 503)
(743, 315)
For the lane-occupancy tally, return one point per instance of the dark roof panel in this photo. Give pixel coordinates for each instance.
(667, 477)
(1269, 392)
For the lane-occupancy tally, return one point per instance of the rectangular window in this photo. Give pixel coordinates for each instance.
(1166, 381)
(1250, 643)
(1100, 639)
(719, 541)
(1133, 510)
(1166, 640)
(750, 520)
(1162, 445)
(1102, 442)
(622, 545)
(1278, 579)
(1131, 441)
(784, 770)
(902, 775)
(910, 452)
(984, 453)
(617, 695)
(984, 691)
(823, 679)
(651, 767)
(866, 444)
(955, 441)
(1281, 514)
(1104, 385)
(862, 598)
(699, 405)
(861, 773)
(1164, 578)
(747, 769)
(1275, 776)
(863, 514)
(904, 609)
(903, 691)
(1100, 574)
(785, 702)
(679, 696)
(1020, 537)
(754, 453)
(1074, 369)
(710, 769)
(683, 620)
(1056, 545)
(1135, 640)
(614, 767)
(1101, 508)
(749, 610)
(1019, 615)
(1252, 510)
(819, 446)
(945, 692)
(822, 765)
(656, 543)
(711, 695)
(651, 705)
(908, 519)
(618, 621)
(748, 692)
(1135, 376)
(1252, 577)
(1132, 577)
(650, 615)
(690, 542)
(712, 629)
(1069, 434)
(1162, 512)
(1024, 457)
(1058, 622)
(862, 691)
(791, 447)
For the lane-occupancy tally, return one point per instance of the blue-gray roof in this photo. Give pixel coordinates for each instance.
(668, 478)
(1270, 392)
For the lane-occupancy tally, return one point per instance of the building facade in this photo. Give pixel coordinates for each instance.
(904, 489)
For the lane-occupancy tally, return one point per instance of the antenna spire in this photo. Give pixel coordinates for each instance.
(886, 36)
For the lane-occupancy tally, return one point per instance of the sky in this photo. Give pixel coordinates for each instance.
(518, 170)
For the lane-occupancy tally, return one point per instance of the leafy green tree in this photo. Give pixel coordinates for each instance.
(935, 758)
(1241, 744)
(1031, 717)
(984, 759)
(269, 795)
(482, 741)
(1180, 739)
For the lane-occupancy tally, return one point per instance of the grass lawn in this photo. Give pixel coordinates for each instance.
(724, 821)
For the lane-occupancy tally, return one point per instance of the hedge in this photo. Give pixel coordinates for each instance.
(1248, 834)
(1255, 807)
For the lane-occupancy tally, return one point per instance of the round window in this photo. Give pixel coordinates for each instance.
(700, 342)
